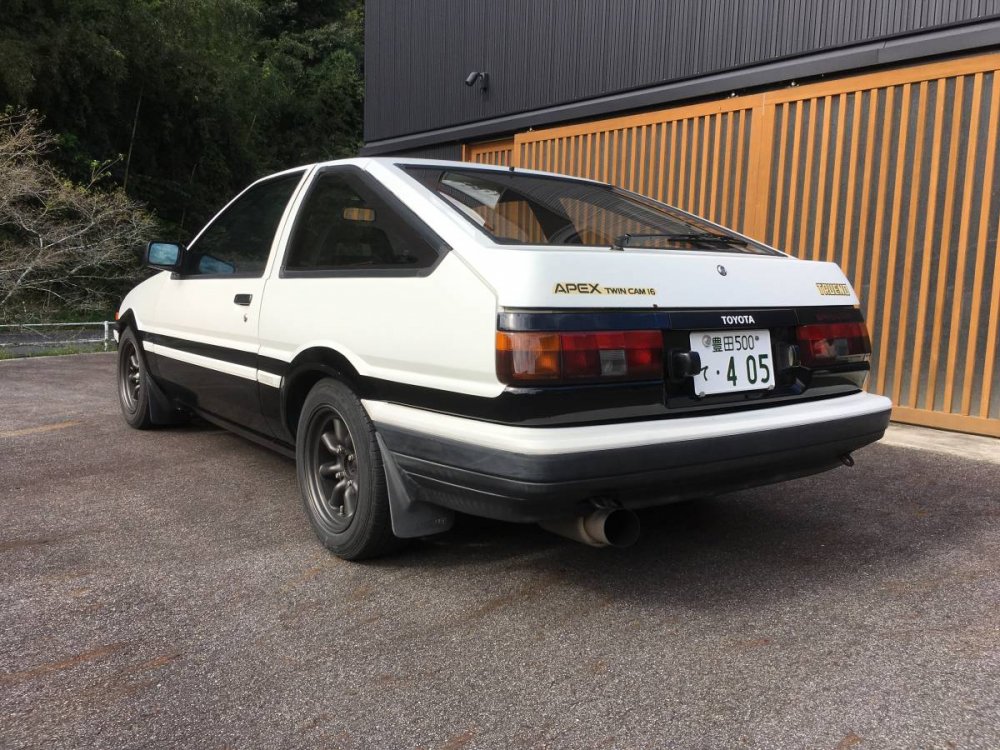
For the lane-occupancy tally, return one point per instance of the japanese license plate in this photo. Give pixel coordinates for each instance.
(733, 361)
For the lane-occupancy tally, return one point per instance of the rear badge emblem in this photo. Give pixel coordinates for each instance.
(721, 270)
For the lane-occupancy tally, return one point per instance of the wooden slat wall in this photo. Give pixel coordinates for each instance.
(893, 175)
(914, 225)
(493, 152)
(695, 158)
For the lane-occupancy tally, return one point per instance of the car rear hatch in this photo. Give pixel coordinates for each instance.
(732, 332)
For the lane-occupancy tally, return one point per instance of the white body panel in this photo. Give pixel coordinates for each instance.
(436, 331)
(529, 278)
(203, 310)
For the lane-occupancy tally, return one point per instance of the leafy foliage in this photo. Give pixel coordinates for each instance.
(190, 99)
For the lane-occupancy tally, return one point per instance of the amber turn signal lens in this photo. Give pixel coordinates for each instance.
(527, 356)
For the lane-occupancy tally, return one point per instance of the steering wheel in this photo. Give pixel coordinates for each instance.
(567, 235)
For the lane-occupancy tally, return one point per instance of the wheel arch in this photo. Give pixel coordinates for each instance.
(409, 515)
(127, 320)
(308, 368)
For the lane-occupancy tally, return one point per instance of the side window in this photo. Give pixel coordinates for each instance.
(343, 224)
(239, 240)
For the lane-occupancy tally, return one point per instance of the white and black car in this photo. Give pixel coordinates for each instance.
(428, 337)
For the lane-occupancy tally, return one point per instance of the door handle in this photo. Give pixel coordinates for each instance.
(243, 299)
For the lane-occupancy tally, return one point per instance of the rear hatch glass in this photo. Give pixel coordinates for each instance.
(517, 208)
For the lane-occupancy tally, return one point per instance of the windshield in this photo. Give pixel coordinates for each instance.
(527, 209)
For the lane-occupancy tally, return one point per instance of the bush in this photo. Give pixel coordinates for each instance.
(62, 245)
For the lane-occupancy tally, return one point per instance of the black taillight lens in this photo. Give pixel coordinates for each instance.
(824, 344)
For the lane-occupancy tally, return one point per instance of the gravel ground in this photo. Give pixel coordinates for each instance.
(164, 589)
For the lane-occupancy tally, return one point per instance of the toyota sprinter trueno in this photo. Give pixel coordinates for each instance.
(430, 337)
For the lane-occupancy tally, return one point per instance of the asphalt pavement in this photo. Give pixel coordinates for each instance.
(163, 589)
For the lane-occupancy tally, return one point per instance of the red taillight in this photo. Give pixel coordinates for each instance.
(573, 357)
(833, 343)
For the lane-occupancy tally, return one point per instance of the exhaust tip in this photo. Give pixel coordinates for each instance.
(608, 527)
(620, 527)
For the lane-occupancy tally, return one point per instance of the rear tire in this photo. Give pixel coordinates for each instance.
(133, 382)
(340, 474)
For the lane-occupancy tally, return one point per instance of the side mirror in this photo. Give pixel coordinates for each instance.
(165, 256)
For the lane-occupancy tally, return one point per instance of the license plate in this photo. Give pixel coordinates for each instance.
(733, 361)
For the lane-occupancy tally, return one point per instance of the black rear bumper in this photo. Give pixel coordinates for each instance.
(510, 486)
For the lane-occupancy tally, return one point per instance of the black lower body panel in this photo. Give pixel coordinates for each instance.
(509, 486)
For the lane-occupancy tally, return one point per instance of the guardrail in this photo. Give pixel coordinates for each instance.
(17, 335)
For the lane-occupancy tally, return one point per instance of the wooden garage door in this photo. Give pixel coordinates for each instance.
(893, 175)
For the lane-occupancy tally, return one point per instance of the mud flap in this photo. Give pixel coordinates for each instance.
(410, 516)
(161, 411)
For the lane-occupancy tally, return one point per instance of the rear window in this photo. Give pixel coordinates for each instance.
(524, 209)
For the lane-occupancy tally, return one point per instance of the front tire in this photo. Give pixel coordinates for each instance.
(133, 382)
(340, 474)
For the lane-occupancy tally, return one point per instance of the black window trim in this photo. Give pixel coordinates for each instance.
(406, 167)
(406, 214)
(243, 275)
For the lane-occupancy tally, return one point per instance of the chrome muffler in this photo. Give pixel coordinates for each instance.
(606, 527)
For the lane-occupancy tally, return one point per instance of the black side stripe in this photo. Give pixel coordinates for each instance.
(221, 353)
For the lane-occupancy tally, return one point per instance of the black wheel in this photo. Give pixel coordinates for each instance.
(341, 475)
(133, 382)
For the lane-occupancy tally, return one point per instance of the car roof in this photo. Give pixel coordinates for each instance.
(404, 161)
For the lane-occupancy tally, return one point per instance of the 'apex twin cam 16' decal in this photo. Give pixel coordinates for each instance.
(585, 287)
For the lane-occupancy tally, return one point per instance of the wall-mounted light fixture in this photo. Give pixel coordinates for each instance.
(482, 76)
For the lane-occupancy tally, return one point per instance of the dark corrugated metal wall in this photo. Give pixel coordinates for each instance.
(546, 52)
(451, 151)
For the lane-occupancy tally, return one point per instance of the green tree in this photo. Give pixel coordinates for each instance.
(197, 97)
(312, 57)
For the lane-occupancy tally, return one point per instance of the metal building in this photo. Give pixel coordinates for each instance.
(859, 131)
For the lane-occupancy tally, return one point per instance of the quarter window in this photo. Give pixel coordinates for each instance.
(238, 241)
(343, 225)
